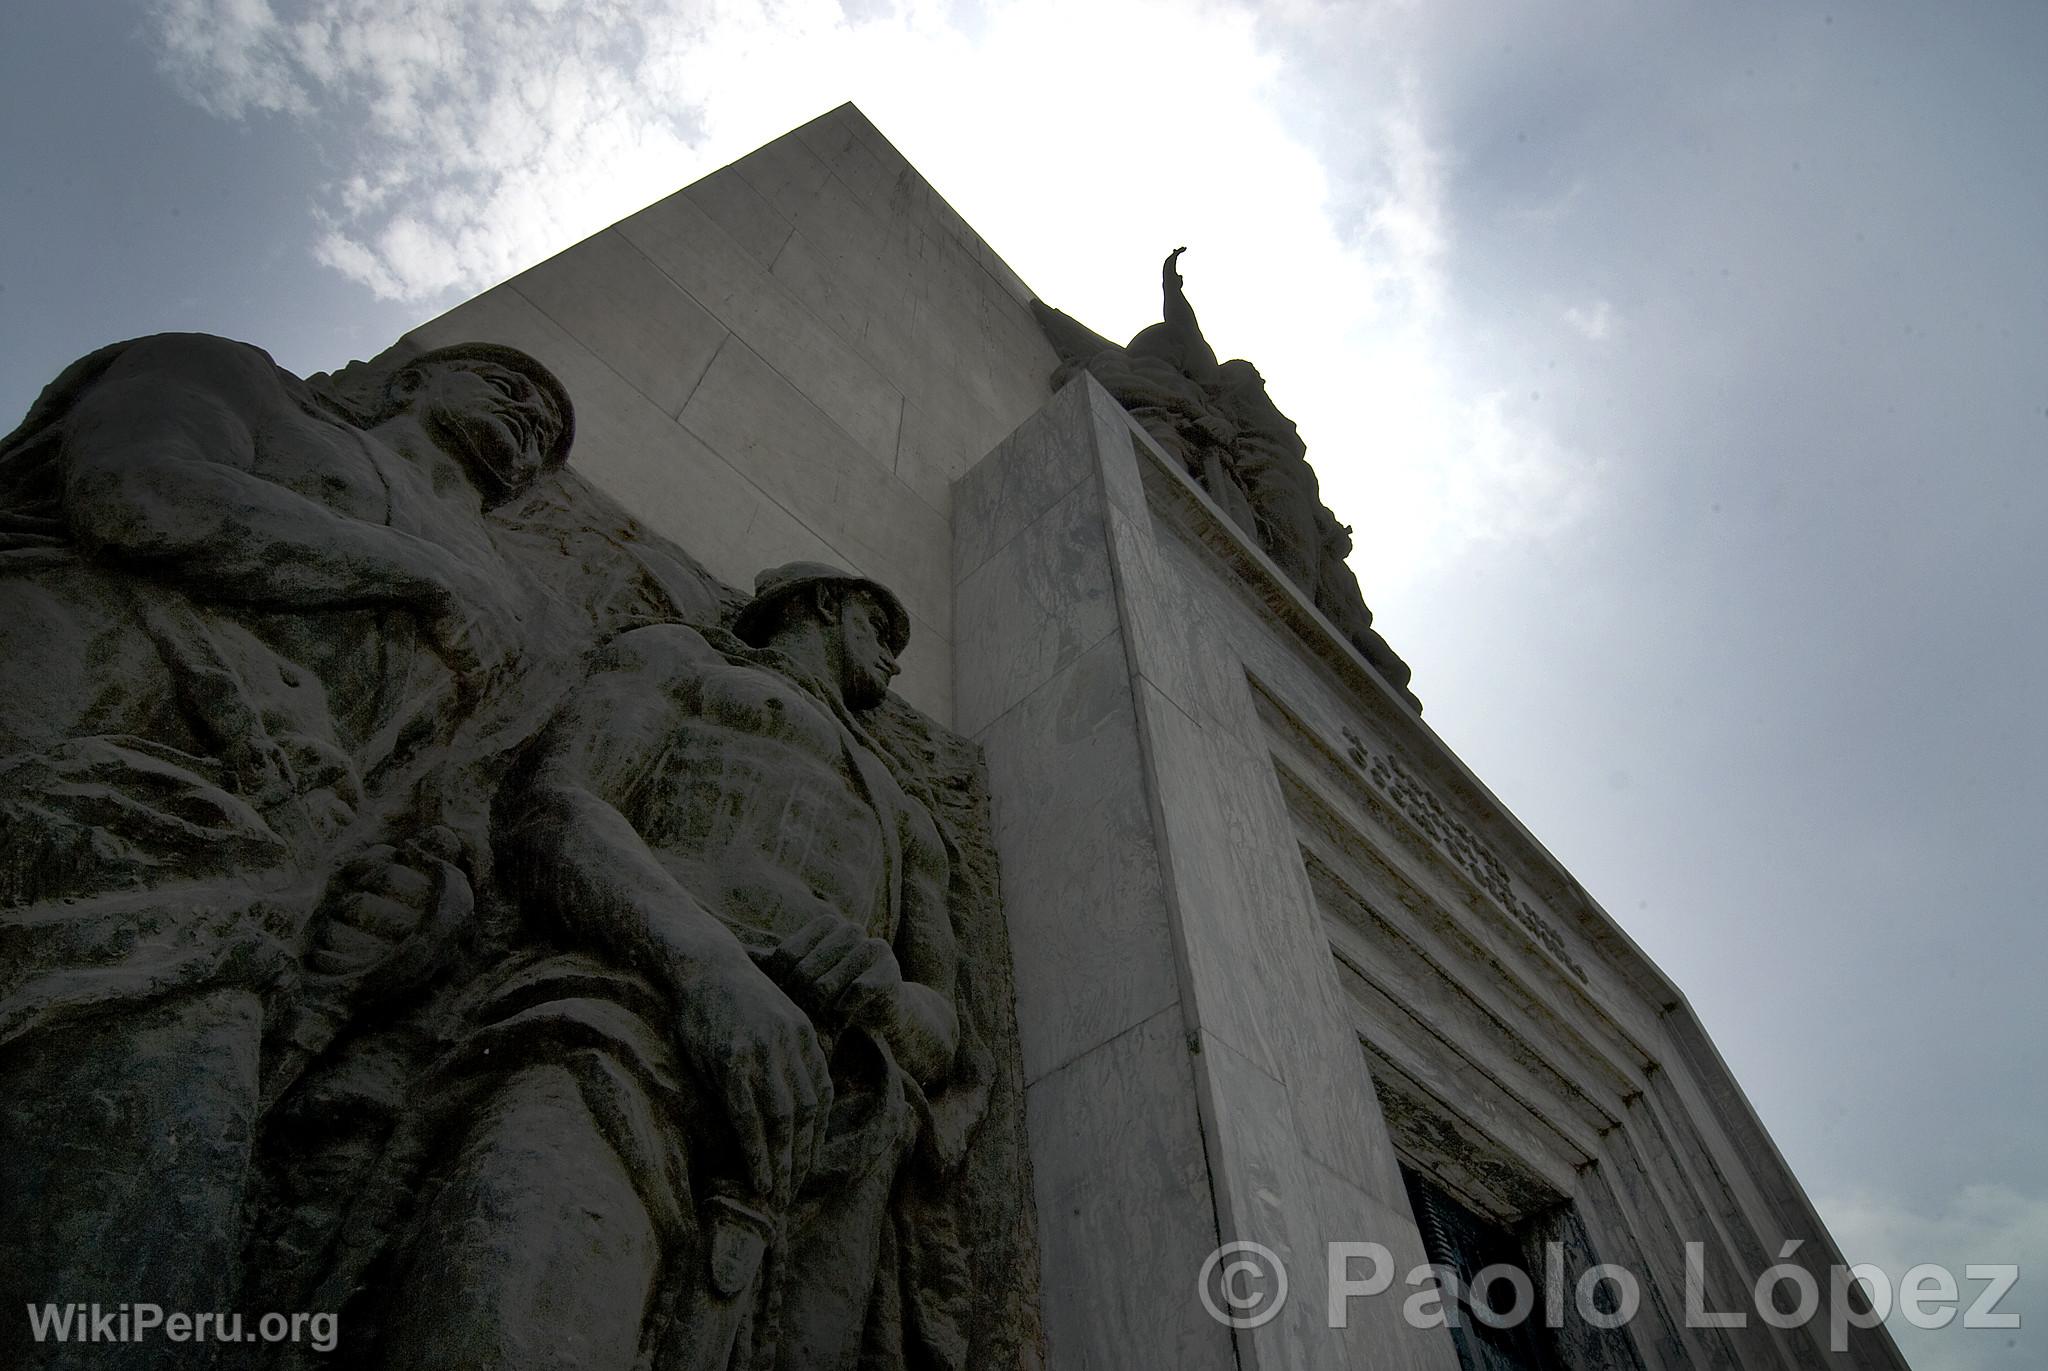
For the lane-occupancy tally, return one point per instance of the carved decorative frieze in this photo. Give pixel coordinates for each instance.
(1456, 841)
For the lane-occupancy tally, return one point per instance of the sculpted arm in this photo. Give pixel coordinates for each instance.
(1177, 312)
(1191, 349)
(580, 862)
(159, 455)
(926, 1026)
(903, 990)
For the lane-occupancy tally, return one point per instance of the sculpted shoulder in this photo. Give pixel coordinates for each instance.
(658, 651)
(678, 661)
(239, 376)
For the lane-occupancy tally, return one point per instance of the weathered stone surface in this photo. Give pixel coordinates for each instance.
(1122, 1242)
(614, 300)
(429, 898)
(1076, 737)
(1165, 887)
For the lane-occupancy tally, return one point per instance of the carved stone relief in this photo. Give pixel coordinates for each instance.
(427, 897)
(1458, 842)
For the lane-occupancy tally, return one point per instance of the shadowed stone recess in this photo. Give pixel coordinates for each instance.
(429, 899)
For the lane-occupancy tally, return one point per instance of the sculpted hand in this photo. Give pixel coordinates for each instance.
(761, 1053)
(472, 626)
(839, 972)
(382, 898)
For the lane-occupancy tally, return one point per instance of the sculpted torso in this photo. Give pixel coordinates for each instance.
(756, 803)
(369, 657)
(211, 503)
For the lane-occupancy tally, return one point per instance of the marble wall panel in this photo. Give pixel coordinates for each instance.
(613, 299)
(1173, 642)
(1033, 468)
(1375, 1334)
(926, 665)
(1269, 1193)
(852, 158)
(1032, 609)
(866, 293)
(730, 201)
(768, 429)
(1019, 357)
(1054, 565)
(762, 311)
(786, 306)
(642, 457)
(1092, 952)
(785, 173)
(1125, 1211)
(935, 446)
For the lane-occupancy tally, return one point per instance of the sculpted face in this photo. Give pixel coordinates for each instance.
(867, 664)
(489, 417)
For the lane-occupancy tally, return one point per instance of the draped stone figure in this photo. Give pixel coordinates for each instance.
(1217, 418)
(319, 980)
(227, 607)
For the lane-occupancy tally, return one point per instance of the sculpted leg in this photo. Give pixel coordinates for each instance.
(124, 1151)
(834, 1240)
(536, 1254)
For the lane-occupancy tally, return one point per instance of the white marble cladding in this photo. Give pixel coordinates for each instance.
(792, 358)
(1192, 1073)
(1524, 1051)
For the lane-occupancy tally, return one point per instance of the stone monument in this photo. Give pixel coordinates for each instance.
(432, 899)
(949, 867)
(1217, 418)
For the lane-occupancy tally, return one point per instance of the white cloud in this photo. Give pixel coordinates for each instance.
(1594, 321)
(1981, 1224)
(473, 138)
(1082, 138)
(230, 56)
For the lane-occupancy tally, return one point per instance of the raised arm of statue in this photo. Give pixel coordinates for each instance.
(581, 863)
(1179, 338)
(1177, 312)
(160, 472)
(1170, 283)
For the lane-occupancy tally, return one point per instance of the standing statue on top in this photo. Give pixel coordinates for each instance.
(1217, 418)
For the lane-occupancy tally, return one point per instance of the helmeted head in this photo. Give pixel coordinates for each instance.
(496, 408)
(863, 619)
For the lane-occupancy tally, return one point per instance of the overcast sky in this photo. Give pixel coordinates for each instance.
(1684, 370)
